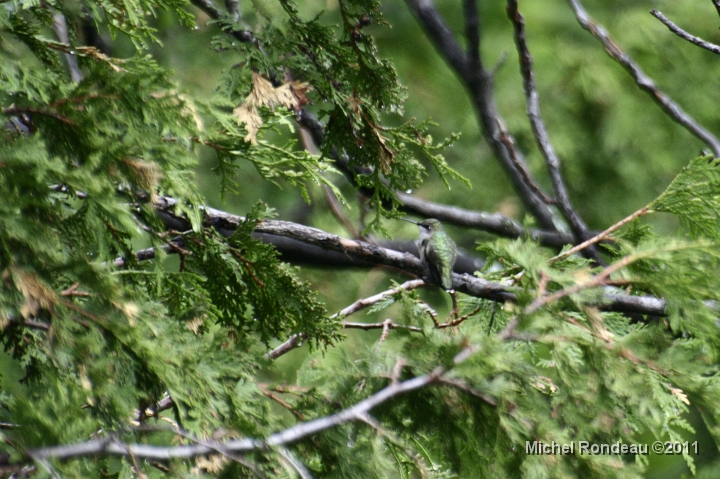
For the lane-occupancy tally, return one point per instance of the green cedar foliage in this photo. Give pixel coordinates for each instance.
(80, 165)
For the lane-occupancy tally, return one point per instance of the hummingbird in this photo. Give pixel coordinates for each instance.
(437, 252)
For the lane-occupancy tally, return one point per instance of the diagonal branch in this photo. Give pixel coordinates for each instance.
(643, 81)
(472, 33)
(683, 34)
(61, 31)
(603, 235)
(114, 447)
(532, 98)
(479, 83)
(363, 303)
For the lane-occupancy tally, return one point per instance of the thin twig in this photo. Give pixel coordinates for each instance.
(431, 312)
(597, 280)
(73, 291)
(366, 302)
(643, 81)
(385, 324)
(36, 324)
(38, 111)
(510, 145)
(603, 235)
(284, 404)
(542, 138)
(459, 320)
(338, 214)
(509, 330)
(294, 462)
(296, 340)
(683, 34)
(494, 223)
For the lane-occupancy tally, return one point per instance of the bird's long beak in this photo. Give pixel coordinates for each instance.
(409, 221)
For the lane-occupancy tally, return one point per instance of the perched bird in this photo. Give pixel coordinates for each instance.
(437, 251)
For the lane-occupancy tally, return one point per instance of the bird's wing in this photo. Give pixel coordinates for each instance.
(441, 263)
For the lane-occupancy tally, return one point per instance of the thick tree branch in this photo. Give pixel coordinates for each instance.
(683, 34)
(542, 138)
(376, 255)
(479, 83)
(291, 250)
(643, 81)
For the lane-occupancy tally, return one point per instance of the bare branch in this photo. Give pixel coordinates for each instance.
(459, 320)
(595, 281)
(494, 223)
(510, 145)
(479, 83)
(440, 35)
(366, 253)
(61, 31)
(366, 302)
(532, 98)
(643, 81)
(383, 325)
(114, 447)
(295, 341)
(294, 462)
(683, 34)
